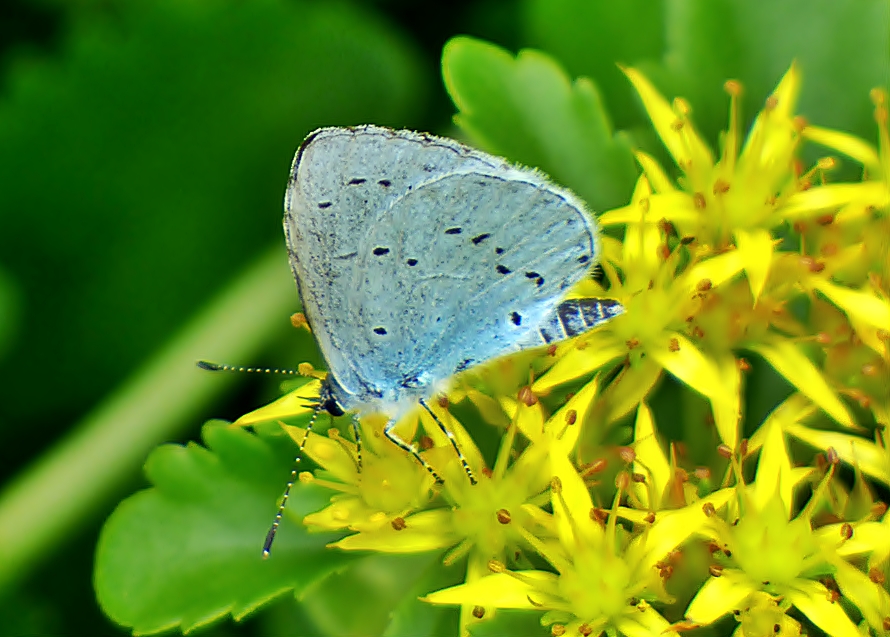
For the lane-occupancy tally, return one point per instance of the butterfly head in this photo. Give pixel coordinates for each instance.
(327, 398)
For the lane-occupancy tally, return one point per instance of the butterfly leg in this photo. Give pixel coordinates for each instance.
(412, 449)
(294, 473)
(447, 432)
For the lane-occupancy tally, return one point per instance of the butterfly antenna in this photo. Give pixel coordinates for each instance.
(213, 367)
(315, 405)
(294, 472)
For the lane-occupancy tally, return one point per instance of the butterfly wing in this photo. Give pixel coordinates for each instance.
(342, 180)
(417, 257)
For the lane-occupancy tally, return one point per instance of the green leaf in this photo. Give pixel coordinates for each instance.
(526, 108)
(188, 551)
(842, 49)
(592, 37)
(379, 595)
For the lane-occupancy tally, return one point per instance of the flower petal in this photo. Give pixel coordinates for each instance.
(651, 460)
(682, 141)
(655, 175)
(872, 459)
(295, 403)
(678, 355)
(756, 252)
(813, 202)
(500, 590)
(717, 269)
(863, 305)
(424, 531)
(812, 599)
(598, 349)
(333, 455)
(630, 388)
(644, 622)
(720, 595)
(790, 362)
(580, 404)
(773, 469)
(728, 411)
(572, 504)
(870, 598)
(849, 145)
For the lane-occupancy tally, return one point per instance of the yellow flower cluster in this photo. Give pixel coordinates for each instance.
(714, 264)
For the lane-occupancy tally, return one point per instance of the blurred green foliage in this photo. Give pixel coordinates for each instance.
(144, 150)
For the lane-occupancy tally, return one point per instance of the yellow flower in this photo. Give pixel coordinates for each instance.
(736, 199)
(390, 485)
(606, 579)
(761, 547)
(483, 522)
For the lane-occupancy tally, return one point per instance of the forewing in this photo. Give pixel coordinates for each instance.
(342, 181)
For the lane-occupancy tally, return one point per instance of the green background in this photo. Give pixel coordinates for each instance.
(144, 149)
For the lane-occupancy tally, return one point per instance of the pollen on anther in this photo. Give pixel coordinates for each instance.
(733, 87)
(527, 396)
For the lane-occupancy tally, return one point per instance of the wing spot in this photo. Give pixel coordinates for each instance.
(502, 269)
(355, 181)
(411, 262)
(386, 183)
(410, 382)
(516, 318)
(380, 330)
(379, 251)
(584, 258)
(480, 238)
(453, 231)
(467, 362)
(325, 204)
(428, 168)
(499, 251)
(536, 277)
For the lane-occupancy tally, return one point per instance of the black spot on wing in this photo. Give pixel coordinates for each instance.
(380, 251)
(502, 269)
(499, 251)
(380, 330)
(386, 183)
(453, 231)
(411, 262)
(410, 382)
(537, 278)
(465, 364)
(480, 238)
(516, 318)
(325, 204)
(355, 181)
(584, 258)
